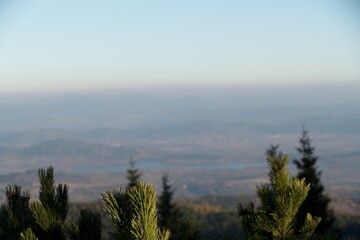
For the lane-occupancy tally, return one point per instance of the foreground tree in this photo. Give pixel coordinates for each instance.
(281, 199)
(15, 214)
(133, 213)
(28, 235)
(44, 219)
(316, 202)
(50, 213)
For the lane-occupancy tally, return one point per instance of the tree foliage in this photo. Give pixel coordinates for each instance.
(133, 213)
(28, 235)
(171, 217)
(169, 213)
(50, 213)
(281, 199)
(89, 225)
(15, 214)
(316, 202)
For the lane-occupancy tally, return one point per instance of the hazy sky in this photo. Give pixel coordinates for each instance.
(82, 45)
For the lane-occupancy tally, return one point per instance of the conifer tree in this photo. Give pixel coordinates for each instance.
(15, 214)
(133, 213)
(281, 199)
(89, 225)
(273, 151)
(28, 235)
(169, 213)
(187, 230)
(44, 220)
(171, 217)
(133, 174)
(316, 202)
(50, 213)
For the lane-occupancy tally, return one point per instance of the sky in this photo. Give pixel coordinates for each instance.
(49, 46)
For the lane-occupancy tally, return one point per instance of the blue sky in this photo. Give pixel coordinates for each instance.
(86, 45)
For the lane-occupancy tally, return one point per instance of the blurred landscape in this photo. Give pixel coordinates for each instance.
(210, 142)
(194, 90)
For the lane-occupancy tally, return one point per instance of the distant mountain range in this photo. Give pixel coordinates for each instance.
(321, 124)
(68, 148)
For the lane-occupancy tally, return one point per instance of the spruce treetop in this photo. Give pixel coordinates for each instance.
(133, 174)
(316, 203)
(169, 214)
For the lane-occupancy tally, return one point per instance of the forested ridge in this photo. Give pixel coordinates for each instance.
(286, 207)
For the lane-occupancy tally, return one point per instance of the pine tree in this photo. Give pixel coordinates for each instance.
(169, 213)
(171, 217)
(89, 225)
(15, 214)
(187, 230)
(133, 213)
(281, 199)
(133, 174)
(316, 203)
(28, 235)
(273, 151)
(50, 213)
